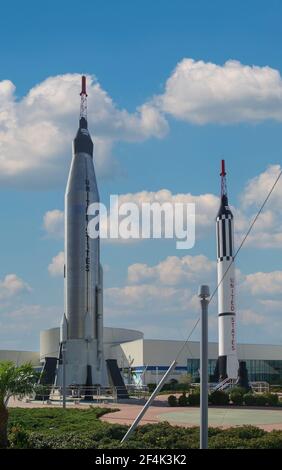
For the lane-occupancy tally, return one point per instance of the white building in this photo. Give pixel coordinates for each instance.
(148, 359)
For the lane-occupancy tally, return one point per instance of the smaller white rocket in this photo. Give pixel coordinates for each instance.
(227, 345)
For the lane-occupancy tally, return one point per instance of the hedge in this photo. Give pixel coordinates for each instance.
(194, 399)
(183, 400)
(149, 436)
(172, 400)
(219, 398)
(237, 397)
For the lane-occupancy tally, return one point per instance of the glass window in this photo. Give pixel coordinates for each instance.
(258, 370)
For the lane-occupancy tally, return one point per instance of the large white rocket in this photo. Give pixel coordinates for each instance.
(227, 345)
(82, 322)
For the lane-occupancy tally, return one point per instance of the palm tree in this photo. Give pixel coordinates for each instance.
(14, 381)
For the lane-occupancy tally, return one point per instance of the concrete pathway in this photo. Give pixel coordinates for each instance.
(267, 419)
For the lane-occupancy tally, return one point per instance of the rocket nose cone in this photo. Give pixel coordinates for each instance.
(224, 208)
(83, 142)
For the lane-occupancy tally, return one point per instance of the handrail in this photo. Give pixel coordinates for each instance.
(221, 384)
(76, 392)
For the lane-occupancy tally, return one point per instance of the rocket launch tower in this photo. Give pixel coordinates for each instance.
(227, 345)
(81, 333)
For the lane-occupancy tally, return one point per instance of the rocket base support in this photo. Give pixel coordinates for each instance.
(222, 374)
(228, 367)
(81, 364)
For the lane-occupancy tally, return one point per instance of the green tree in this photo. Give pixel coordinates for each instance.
(14, 381)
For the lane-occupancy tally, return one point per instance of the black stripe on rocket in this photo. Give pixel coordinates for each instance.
(224, 237)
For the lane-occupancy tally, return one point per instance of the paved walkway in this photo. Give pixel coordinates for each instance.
(267, 419)
(225, 417)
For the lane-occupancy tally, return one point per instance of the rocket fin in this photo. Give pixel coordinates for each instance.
(64, 329)
(88, 326)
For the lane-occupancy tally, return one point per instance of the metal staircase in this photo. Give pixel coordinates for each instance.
(225, 384)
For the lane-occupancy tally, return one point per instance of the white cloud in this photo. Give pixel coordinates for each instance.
(12, 285)
(258, 188)
(265, 240)
(173, 271)
(26, 312)
(147, 300)
(56, 267)
(271, 305)
(168, 291)
(262, 283)
(249, 317)
(163, 296)
(202, 92)
(20, 324)
(165, 311)
(36, 131)
(53, 223)
(206, 204)
(267, 231)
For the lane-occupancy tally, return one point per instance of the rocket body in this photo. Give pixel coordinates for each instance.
(82, 323)
(82, 257)
(227, 344)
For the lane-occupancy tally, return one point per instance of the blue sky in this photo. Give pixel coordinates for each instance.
(133, 49)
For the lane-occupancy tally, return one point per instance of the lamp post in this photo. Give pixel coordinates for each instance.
(204, 294)
(64, 373)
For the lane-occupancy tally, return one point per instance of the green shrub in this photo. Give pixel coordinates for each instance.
(57, 420)
(237, 398)
(177, 386)
(18, 437)
(245, 432)
(261, 400)
(160, 436)
(172, 386)
(272, 399)
(219, 398)
(80, 429)
(172, 400)
(114, 432)
(250, 399)
(240, 390)
(62, 441)
(222, 441)
(242, 437)
(194, 399)
(271, 440)
(165, 436)
(183, 400)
